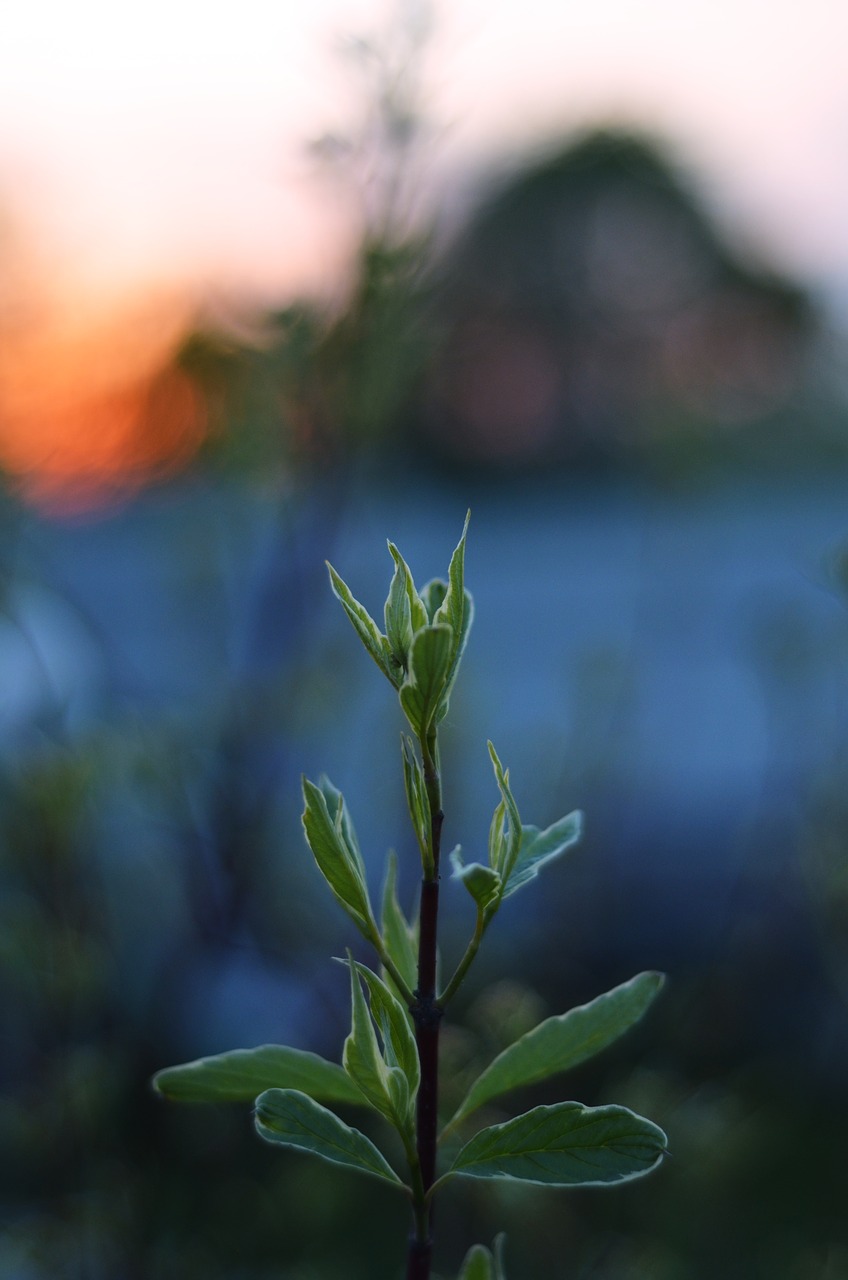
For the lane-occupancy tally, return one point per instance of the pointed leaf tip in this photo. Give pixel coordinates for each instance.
(538, 848)
(241, 1074)
(291, 1119)
(456, 610)
(398, 937)
(365, 627)
(331, 837)
(560, 1043)
(478, 1264)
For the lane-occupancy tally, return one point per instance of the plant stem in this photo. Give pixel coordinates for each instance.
(427, 1017)
(389, 965)
(465, 963)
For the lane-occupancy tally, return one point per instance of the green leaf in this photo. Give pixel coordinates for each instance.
(366, 628)
(482, 883)
(384, 1086)
(398, 612)
(291, 1119)
(416, 796)
(505, 833)
(342, 822)
(399, 1048)
(498, 837)
(361, 1055)
(478, 1265)
(240, 1075)
(538, 848)
(566, 1145)
(457, 610)
(417, 608)
(432, 596)
(332, 839)
(429, 662)
(398, 937)
(560, 1043)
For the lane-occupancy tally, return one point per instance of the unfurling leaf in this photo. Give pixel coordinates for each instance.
(416, 796)
(383, 1084)
(417, 609)
(332, 839)
(478, 1265)
(429, 663)
(398, 613)
(366, 628)
(560, 1043)
(432, 596)
(538, 848)
(399, 1048)
(457, 610)
(482, 883)
(505, 832)
(242, 1074)
(291, 1119)
(398, 937)
(362, 1058)
(566, 1145)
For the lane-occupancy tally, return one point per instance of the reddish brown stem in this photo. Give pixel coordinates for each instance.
(419, 1259)
(427, 1016)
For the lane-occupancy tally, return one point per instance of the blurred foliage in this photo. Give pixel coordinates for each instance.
(589, 314)
(312, 389)
(309, 394)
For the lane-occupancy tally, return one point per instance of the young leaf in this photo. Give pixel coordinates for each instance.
(240, 1075)
(478, 1265)
(398, 937)
(399, 1046)
(457, 610)
(538, 848)
(384, 1085)
(432, 596)
(417, 608)
(361, 1055)
(366, 628)
(566, 1145)
(560, 1043)
(342, 821)
(506, 839)
(398, 614)
(498, 836)
(291, 1119)
(482, 883)
(429, 662)
(330, 836)
(416, 795)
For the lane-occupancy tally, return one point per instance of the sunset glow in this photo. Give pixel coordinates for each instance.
(86, 413)
(169, 144)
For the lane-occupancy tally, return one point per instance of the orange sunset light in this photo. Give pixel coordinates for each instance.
(93, 410)
(170, 143)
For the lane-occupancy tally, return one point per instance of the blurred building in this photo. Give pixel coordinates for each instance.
(590, 306)
(589, 312)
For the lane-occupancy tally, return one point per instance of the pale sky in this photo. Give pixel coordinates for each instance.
(166, 140)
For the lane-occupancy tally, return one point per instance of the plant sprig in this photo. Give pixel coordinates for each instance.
(390, 1063)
